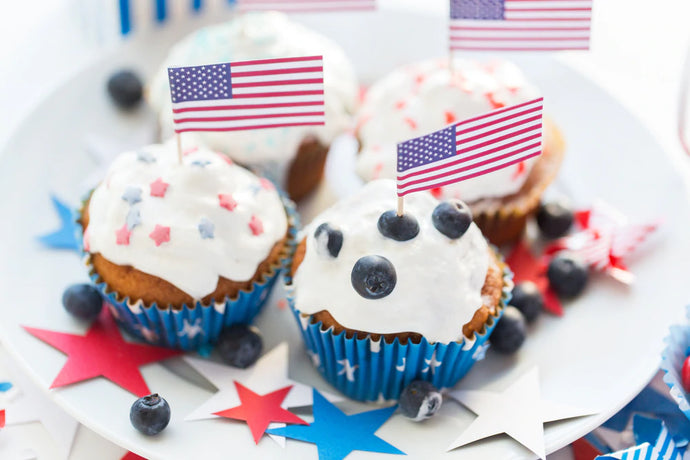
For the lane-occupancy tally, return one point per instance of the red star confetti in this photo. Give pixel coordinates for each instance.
(189, 151)
(158, 188)
(102, 352)
(411, 123)
(160, 234)
(227, 202)
(450, 117)
(2, 418)
(132, 456)
(225, 158)
(261, 410)
(122, 235)
(526, 267)
(256, 226)
(582, 450)
(266, 184)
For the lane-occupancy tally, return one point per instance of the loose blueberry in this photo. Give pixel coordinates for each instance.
(567, 276)
(125, 89)
(373, 277)
(398, 228)
(239, 345)
(554, 219)
(510, 332)
(528, 299)
(452, 218)
(150, 414)
(82, 301)
(328, 240)
(420, 400)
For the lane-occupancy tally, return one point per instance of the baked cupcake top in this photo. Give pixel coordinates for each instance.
(188, 223)
(430, 284)
(259, 35)
(423, 97)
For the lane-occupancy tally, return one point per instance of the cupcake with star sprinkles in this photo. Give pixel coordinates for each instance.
(182, 250)
(383, 300)
(424, 97)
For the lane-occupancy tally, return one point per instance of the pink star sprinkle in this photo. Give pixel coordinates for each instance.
(189, 151)
(225, 158)
(400, 104)
(160, 234)
(158, 188)
(227, 202)
(266, 184)
(256, 226)
(411, 122)
(122, 235)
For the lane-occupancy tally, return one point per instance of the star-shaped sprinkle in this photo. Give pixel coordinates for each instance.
(206, 229)
(526, 267)
(145, 157)
(336, 434)
(132, 195)
(225, 158)
(266, 184)
(518, 411)
(133, 218)
(260, 410)
(102, 353)
(2, 418)
(256, 226)
(227, 201)
(200, 163)
(191, 330)
(67, 236)
(160, 234)
(189, 151)
(348, 369)
(158, 188)
(122, 235)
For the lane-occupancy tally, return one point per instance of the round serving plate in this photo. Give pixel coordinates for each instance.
(598, 356)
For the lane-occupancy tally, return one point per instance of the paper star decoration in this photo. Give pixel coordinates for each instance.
(67, 236)
(518, 411)
(336, 434)
(102, 353)
(526, 267)
(261, 410)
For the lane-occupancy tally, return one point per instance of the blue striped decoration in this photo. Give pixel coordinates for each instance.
(161, 10)
(125, 17)
(654, 442)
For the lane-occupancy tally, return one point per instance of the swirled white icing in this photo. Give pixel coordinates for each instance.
(426, 96)
(186, 223)
(259, 35)
(439, 280)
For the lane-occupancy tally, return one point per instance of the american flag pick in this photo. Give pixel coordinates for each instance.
(470, 148)
(306, 6)
(520, 25)
(268, 93)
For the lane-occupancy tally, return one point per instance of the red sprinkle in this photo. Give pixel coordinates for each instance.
(266, 184)
(160, 234)
(400, 104)
(450, 117)
(256, 226)
(377, 170)
(189, 150)
(122, 236)
(519, 171)
(224, 157)
(158, 188)
(685, 375)
(87, 246)
(436, 192)
(411, 122)
(227, 201)
(494, 103)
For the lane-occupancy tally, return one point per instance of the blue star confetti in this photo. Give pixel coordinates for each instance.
(145, 157)
(132, 195)
(206, 229)
(336, 434)
(5, 387)
(67, 236)
(200, 163)
(133, 218)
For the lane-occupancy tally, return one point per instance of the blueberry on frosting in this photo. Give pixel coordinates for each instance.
(398, 228)
(373, 277)
(328, 240)
(452, 218)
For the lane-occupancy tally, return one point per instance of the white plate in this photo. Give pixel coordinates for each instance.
(599, 355)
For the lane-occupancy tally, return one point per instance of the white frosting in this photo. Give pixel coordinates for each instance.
(424, 97)
(191, 259)
(259, 35)
(439, 280)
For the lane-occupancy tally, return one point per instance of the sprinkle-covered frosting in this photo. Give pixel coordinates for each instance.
(423, 97)
(439, 279)
(260, 35)
(188, 223)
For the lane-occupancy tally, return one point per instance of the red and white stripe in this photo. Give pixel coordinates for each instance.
(268, 93)
(529, 25)
(306, 6)
(483, 144)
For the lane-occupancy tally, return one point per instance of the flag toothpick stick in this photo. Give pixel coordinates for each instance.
(400, 206)
(179, 147)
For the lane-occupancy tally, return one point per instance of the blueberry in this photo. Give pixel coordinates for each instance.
(328, 240)
(510, 332)
(373, 277)
(554, 219)
(125, 89)
(82, 301)
(420, 400)
(567, 276)
(528, 299)
(239, 345)
(398, 228)
(452, 218)
(150, 414)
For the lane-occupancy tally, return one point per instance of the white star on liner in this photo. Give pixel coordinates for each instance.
(431, 364)
(190, 330)
(401, 367)
(348, 369)
(518, 411)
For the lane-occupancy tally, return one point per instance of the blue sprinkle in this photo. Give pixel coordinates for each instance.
(206, 229)
(5, 386)
(132, 195)
(133, 218)
(145, 157)
(201, 163)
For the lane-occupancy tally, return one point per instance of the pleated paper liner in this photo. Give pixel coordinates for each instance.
(672, 358)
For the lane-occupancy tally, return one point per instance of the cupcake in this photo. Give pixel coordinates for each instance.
(180, 251)
(382, 301)
(424, 97)
(293, 157)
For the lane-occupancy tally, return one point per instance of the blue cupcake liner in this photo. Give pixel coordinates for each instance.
(672, 358)
(369, 370)
(196, 326)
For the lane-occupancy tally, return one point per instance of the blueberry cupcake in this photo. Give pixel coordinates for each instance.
(382, 300)
(294, 157)
(182, 250)
(426, 96)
